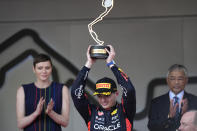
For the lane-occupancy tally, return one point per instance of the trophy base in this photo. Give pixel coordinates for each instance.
(99, 52)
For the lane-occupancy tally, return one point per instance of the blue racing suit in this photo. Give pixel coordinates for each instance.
(117, 118)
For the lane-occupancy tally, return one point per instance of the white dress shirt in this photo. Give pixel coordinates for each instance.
(180, 96)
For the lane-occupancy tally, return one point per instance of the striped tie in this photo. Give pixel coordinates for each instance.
(176, 100)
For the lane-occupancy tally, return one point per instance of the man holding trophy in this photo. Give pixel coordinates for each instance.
(98, 51)
(109, 115)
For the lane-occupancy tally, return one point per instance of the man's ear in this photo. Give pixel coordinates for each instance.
(187, 79)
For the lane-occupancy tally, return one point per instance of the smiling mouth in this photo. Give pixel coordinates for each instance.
(104, 104)
(44, 75)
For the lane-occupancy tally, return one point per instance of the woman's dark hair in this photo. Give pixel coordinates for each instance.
(41, 58)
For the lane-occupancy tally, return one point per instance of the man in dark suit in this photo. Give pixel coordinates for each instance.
(166, 110)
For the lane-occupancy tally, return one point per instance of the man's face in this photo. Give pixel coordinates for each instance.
(107, 101)
(176, 81)
(187, 122)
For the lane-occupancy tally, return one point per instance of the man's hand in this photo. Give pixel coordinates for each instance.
(111, 54)
(89, 61)
(184, 106)
(172, 112)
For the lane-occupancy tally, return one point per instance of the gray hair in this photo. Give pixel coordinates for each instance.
(179, 68)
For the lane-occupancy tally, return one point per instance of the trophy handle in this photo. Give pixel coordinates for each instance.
(108, 4)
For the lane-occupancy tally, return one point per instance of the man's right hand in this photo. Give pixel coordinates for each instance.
(89, 61)
(173, 108)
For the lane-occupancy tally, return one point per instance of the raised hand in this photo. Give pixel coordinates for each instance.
(111, 53)
(172, 112)
(89, 61)
(50, 106)
(184, 106)
(40, 106)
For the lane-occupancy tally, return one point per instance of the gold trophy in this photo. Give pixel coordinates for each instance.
(98, 51)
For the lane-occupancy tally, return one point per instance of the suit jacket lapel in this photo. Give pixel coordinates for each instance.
(166, 103)
(186, 96)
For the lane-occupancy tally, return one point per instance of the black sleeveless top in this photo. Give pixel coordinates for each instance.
(32, 97)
